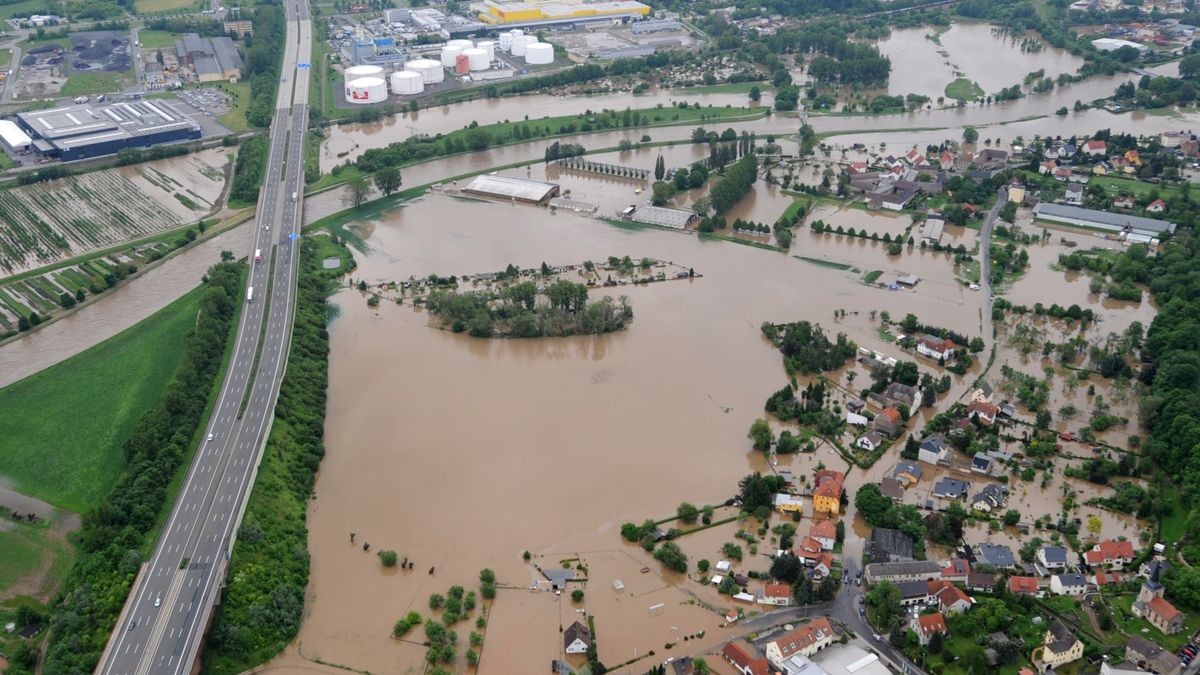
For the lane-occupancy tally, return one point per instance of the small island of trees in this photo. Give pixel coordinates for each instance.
(516, 311)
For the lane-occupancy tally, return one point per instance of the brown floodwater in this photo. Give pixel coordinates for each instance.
(971, 50)
(549, 445)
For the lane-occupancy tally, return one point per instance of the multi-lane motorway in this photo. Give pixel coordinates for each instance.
(168, 611)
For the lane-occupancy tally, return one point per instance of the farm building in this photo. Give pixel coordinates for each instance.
(511, 189)
(1102, 220)
(82, 131)
(659, 215)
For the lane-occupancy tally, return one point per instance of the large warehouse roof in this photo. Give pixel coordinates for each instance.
(81, 125)
(12, 135)
(659, 215)
(1115, 222)
(504, 187)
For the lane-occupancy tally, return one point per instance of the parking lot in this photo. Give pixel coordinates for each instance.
(212, 102)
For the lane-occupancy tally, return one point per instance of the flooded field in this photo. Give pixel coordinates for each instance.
(393, 446)
(924, 61)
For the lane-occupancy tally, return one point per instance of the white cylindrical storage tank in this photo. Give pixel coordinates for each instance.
(476, 58)
(506, 40)
(461, 44)
(355, 72)
(431, 71)
(366, 90)
(539, 53)
(407, 83)
(450, 55)
(489, 47)
(521, 43)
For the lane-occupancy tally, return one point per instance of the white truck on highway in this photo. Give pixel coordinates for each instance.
(258, 255)
(250, 294)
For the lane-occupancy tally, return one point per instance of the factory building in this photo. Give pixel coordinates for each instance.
(1137, 227)
(380, 52)
(83, 131)
(14, 139)
(512, 13)
(212, 59)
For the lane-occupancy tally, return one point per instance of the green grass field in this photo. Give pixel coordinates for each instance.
(5, 58)
(157, 39)
(235, 119)
(20, 553)
(1119, 186)
(61, 434)
(25, 8)
(153, 6)
(94, 83)
(735, 88)
(963, 90)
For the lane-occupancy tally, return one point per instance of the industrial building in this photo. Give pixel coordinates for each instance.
(514, 13)
(1136, 227)
(82, 131)
(211, 59)
(377, 52)
(14, 139)
(511, 189)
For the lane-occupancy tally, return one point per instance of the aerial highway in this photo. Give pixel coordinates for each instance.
(164, 620)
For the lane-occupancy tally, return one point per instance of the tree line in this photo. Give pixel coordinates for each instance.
(516, 312)
(262, 605)
(113, 536)
(264, 51)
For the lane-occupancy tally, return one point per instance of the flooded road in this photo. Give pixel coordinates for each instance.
(118, 309)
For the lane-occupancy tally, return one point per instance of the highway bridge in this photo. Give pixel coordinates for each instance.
(161, 628)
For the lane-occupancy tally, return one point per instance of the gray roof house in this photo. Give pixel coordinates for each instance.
(1052, 557)
(901, 393)
(996, 555)
(951, 488)
(1149, 656)
(888, 545)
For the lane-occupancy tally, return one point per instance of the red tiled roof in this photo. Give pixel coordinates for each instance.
(892, 413)
(987, 409)
(823, 529)
(777, 591)
(1109, 549)
(931, 623)
(957, 567)
(809, 545)
(1023, 584)
(1161, 607)
(805, 636)
(737, 655)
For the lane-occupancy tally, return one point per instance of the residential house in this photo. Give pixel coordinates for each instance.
(956, 570)
(983, 411)
(914, 592)
(990, 498)
(908, 473)
(1095, 148)
(807, 550)
(928, 625)
(1047, 167)
(899, 393)
(936, 348)
(869, 441)
(888, 422)
(1101, 169)
(996, 555)
(1123, 202)
(933, 450)
(1156, 206)
(888, 545)
(577, 639)
(1062, 173)
(982, 463)
(919, 570)
(682, 666)
(805, 640)
(1074, 195)
(950, 599)
(743, 662)
(1016, 191)
(822, 566)
(1151, 657)
(951, 488)
(1110, 553)
(779, 595)
(1104, 579)
(981, 582)
(1023, 586)
(785, 503)
(1052, 558)
(825, 532)
(827, 497)
(1068, 584)
(1060, 647)
(891, 488)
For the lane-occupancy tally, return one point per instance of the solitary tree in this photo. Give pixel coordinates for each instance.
(761, 434)
(357, 190)
(387, 179)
